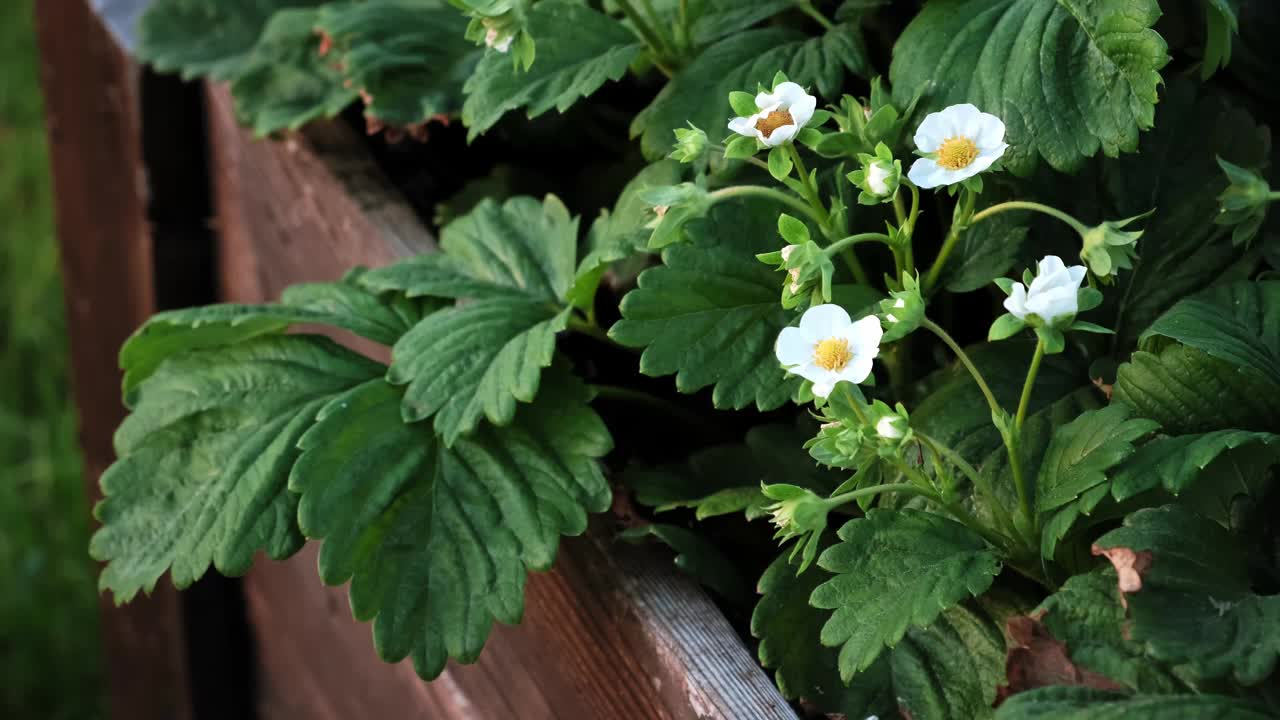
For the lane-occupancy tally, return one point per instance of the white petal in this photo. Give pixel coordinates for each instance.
(790, 94)
(1077, 273)
(802, 110)
(858, 369)
(824, 321)
(1016, 303)
(745, 125)
(1053, 303)
(1050, 264)
(990, 133)
(932, 131)
(822, 388)
(793, 347)
(780, 135)
(980, 163)
(864, 336)
(877, 174)
(925, 174)
(965, 119)
(768, 100)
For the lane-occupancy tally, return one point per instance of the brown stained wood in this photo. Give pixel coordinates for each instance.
(91, 102)
(613, 632)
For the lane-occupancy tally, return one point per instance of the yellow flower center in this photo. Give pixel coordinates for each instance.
(832, 354)
(774, 120)
(957, 153)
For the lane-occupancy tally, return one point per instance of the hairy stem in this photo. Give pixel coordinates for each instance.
(934, 328)
(647, 34)
(1025, 205)
(852, 240)
(1025, 400)
(807, 8)
(953, 236)
(811, 194)
(762, 191)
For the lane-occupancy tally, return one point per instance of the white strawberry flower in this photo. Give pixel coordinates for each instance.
(782, 114)
(828, 347)
(1053, 295)
(958, 143)
(497, 40)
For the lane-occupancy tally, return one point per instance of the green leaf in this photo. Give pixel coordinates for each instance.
(579, 49)
(1079, 703)
(710, 314)
(1174, 463)
(895, 570)
(1083, 450)
(409, 56)
(479, 358)
(285, 83)
(741, 61)
(205, 458)
(342, 304)
(1189, 595)
(789, 630)
(1238, 323)
(1187, 392)
(697, 557)
(720, 18)
(205, 37)
(985, 252)
(436, 541)
(1087, 615)
(951, 668)
(779, 163)
(1221, 24)
(1176, 171)
(1069, 78)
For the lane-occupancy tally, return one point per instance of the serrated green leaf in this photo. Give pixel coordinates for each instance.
(205, 37)
(342, 304)
(1192, 602)
(895, 570)
(1237, 323)
(205, 458)
(1174, 463)
(985, 252)
(1188, 392)
(1176, 172)
(1083, 450)
(1078, 703)
(710, 314)
(951, 668)
(789, 630)
(570, 65)
(720, 18)
(409, 56)
(436, 541)
(1069, 78)
(697, 557)
(285, 83)
(1087, 615)
(740, 62)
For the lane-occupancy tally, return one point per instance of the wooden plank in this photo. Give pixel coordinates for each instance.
(613, 632)
(91, 101)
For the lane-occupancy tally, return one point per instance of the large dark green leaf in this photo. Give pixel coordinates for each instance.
(1068, 77)
(1187, 392)
(205, 37)
(579, 49)
(710, 314)
(205, 458)
(1077, 703)
(1189, 595)
(436, 541)
(1237, 323)
(895, 570)
(950, 668)
(1175, 463)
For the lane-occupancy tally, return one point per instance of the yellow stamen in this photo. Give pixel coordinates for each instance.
(832, 354)
(957, 153)
(774, 120)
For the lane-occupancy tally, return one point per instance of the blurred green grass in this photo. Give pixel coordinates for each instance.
(49, 648)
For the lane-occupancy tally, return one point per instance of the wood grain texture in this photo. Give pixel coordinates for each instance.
(614, 632)
(91, 104)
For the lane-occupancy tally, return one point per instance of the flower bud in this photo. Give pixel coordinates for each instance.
(903, 311)
(1108, 248)
(809, 271)
(1244, 203)
(891, 427)
(1050, 298)
(879, 176)
(691, 144)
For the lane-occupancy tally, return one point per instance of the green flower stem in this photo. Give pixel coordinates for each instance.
(904, 488)
(911, 228)
(852, 240)
(934, 328)
(1025, 400)
(997, 539)
(807, 8)
(811, 194)
(668, 41)
(949, 244)
(647, 33)
(857, 407)
(684, 36)
(762, 191)
(1025, 205)
(984, 489)
(752, 159)
(657, 404)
